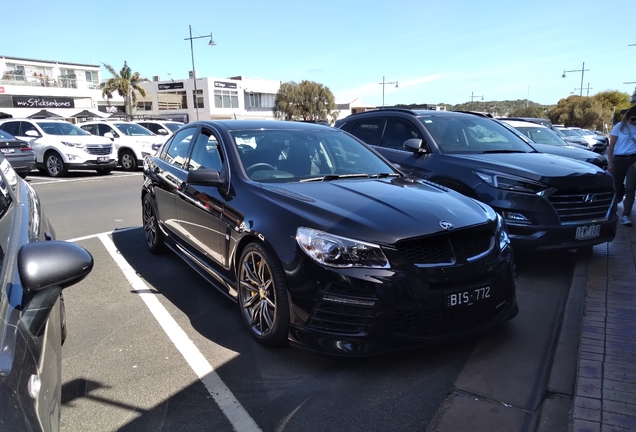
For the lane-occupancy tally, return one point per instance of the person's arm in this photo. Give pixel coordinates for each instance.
(610, 152)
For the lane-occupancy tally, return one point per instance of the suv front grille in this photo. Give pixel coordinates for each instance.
(449, 248)
(99, 150)
(342, 318)
(578, 207)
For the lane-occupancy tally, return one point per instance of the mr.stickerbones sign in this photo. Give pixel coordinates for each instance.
(42, 102)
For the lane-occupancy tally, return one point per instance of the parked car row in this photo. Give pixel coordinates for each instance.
(56, 146)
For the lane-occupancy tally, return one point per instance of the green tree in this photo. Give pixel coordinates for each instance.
(530, 111)
(585, 112)
(308, 101)
(613, 101)
(125, 84)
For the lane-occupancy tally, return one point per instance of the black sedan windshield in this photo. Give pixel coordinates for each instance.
(294, 155)
(459, 134)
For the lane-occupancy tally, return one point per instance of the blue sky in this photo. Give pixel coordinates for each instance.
(442, 51)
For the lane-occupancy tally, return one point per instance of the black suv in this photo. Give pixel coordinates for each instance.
(548, 201)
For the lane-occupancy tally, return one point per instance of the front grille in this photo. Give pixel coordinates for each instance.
(578, 207)
(449, 248)
(99, 151)
(341, 318)
(426, 323)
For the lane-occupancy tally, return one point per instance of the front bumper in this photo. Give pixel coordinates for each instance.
(368, 311)
(92, 165)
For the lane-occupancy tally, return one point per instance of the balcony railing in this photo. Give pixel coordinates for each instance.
(61, 82)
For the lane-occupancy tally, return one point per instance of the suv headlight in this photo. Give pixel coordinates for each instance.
(502, 233)
(511, 182)
(75, 145)
(335, 251)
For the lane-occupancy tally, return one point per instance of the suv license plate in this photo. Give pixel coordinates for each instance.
(467, 297)
(102, 159)
(588, 232)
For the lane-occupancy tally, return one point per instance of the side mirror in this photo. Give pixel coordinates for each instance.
(32, 133)
(414, 145)
(109, 135)
(162, 132)
(204, 177)
(45, 268)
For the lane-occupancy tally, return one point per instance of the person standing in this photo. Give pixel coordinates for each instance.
(621, 155)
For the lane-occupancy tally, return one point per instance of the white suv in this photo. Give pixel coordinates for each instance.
(60, 146)
(161, 127)
(132, 141)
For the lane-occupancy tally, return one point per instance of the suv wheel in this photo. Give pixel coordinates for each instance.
(128, 160)
(54, 165)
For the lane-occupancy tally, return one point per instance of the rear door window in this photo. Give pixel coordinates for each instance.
(397, 131)
(368, 130)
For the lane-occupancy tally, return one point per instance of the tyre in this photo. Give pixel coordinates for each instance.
(64, 331)
(152, 233)
(262, 296)
(128, 160)
(104, 171)
(54, 165)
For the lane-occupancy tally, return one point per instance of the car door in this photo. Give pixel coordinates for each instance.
(21, 128)
(169, 173)
(200, 208)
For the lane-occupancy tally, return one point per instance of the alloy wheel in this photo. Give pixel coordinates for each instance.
(54, 165)
(258, 296)
(128, 161)
(154, 237)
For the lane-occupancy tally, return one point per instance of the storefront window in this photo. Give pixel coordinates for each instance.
(225, 99)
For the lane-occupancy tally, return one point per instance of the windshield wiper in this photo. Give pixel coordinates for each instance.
(505, 151)
(329, 177)
(383, 175)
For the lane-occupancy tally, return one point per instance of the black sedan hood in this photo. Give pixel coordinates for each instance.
(552, 170)
(571, 152)
(381, 210)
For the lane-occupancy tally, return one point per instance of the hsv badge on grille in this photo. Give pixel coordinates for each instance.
(446, 225)
(589, 198)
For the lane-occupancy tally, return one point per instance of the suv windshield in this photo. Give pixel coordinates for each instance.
(542, 135)
(133, 129)
(463, 134)
(59, 128)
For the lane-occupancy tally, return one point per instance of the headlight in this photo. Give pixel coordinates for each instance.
(76, 145)
(335, 251)
(502, 233)
(511, 182)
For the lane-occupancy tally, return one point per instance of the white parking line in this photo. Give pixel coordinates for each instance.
(233, 410)
(36, 180)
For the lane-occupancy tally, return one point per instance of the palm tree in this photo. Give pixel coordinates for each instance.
(126, 84)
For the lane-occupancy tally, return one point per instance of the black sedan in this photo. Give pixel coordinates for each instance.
(35, 269)
(322, 242)
(18, 152)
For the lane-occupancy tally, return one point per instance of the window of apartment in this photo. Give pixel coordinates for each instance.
(172, 100)
(199, 98)
(260, 100)
(144, 106)
(225, 99)
(14, 72)
(68, 78)
(92, 80)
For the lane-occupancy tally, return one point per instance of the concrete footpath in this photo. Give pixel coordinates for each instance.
(605, 391)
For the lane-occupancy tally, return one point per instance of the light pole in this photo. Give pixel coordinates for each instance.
(582, 70)
(385, 83)
(472, 97)
(194, 73)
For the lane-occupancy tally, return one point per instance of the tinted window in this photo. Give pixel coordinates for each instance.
(12, 127)
(541, 135)
(397, 131)
(176, 150)
(133, 129)
(90, 128)
(368, 130)
(104, 128)
(151, 127)
(206, 153)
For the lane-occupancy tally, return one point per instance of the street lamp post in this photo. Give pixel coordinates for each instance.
(472, 97)
(383, 83)
(582, 70)
(194, 74)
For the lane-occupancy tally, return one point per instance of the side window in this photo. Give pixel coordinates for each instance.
(26, 126)
(152, 127)
(206, 153)
(397, 131)
(177, 149)
(90, 128)
(12, 127)
(368, 130)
